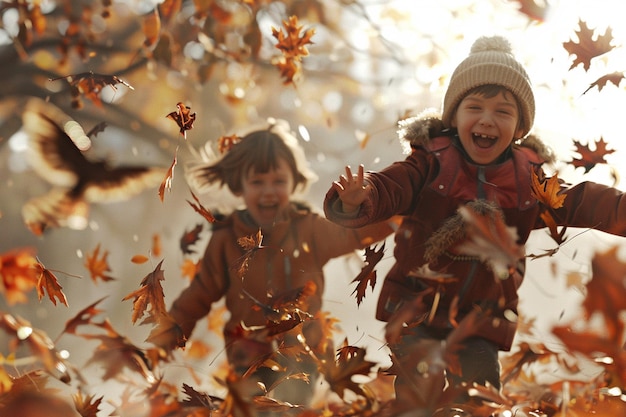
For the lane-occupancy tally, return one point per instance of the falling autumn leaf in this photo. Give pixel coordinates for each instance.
(225, 143)
(533, 9)
(189, 269)
(83, 317)
(605, 291)
(18, 274)
(183, 118)
(49, 283)
(349, 363)
(292, 44)
(149, 299)
(587, 48)
(588, 158)
(166, 184)
(200, 209)
(90, 85)
(492, 241)
(98, 266)
(367, 276)
(189, 238)
(547, 191)
(615, 78)
(116, 352)
(87, 406)
(250, 244)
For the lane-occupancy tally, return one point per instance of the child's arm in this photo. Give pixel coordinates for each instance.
(351, 190)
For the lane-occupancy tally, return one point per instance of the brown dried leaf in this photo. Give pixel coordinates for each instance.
(98, 266)
(587, 48)
(150, 298)
(367, 276)
(49, 283)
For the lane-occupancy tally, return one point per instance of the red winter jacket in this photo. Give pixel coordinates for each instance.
(429, 186)
(294, 253)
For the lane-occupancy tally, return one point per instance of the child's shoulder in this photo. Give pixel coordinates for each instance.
(535, 150)
(420, 130)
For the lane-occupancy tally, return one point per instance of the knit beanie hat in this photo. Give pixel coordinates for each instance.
(491, 62)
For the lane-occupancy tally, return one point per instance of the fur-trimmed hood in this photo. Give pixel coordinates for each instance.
(419, 130)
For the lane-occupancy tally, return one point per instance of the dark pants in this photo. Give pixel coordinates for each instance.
(424, 371)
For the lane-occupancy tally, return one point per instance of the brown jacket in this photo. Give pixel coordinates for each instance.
(294, 253)
(429, 186)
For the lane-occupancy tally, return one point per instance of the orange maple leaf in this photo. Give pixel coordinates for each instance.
(367, 276)
(183, 117)
(587, 48)
(590, 158)
(18, 274)
(87, 406)
(150, 298)
(98, 266)
(49, 283)
(189, 269)
(547, 191)
(225, 143)
(293, 47)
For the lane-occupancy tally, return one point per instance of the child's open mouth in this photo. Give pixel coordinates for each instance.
(484, 141)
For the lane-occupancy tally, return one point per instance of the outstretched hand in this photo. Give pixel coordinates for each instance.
(351, 189)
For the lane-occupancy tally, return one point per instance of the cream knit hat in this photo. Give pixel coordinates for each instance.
(491, 62)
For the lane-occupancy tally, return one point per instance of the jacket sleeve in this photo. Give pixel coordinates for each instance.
(392, 191)
(208, 286)
(332, 240)
(596, 206)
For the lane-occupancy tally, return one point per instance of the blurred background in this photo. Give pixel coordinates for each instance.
(370, 63)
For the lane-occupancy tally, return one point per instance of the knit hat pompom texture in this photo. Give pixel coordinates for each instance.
(491, 62)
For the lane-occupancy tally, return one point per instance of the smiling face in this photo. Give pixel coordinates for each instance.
(487, 124)
(266, 194)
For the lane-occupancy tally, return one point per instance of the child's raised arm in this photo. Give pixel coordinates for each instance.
(351, 189)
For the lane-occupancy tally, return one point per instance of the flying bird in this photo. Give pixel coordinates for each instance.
(57, 152)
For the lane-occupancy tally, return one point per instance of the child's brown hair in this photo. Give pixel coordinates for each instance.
(259, 151)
